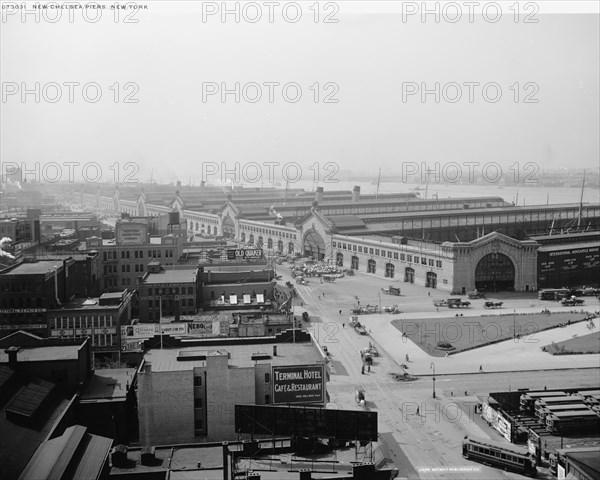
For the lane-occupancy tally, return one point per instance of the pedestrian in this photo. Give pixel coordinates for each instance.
(301, 304)
(465, 393)
(343, 325)
(369, 368)
(323, 294)
(362, 370)
(429, 294)
(340, 312)
(418, 411)
(480, 368)
(407, 358)
(437, 309)
(451, 393)
(545, 388)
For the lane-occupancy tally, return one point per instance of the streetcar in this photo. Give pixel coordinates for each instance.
(553, 293)
(500, 455)
(572, 422)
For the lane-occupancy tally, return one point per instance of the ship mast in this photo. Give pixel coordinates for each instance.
(580, 215)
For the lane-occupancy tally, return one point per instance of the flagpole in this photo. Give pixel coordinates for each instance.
(160, 320)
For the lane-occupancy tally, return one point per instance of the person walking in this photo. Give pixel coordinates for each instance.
(343, 325)
(362, 370)
(340, 312)
(418, 411)
(481, 368)
(407, 358)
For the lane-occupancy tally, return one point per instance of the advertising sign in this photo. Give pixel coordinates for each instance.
(147, 330)
(245, 254)
(209, 328)
(131, 234)
(298, 384)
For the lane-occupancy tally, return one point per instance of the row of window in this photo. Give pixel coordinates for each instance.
(268, 231)
(169, 291)
(396, 256)
(184, 303)
(125, 254)
(83, 322)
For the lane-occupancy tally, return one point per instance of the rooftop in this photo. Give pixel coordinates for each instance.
(35, 268)
(168, 275)
(108, 384)
(40, 354)
(241, 356)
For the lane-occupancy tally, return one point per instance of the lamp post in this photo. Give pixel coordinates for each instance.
(433, 367)
(514, 324)
(379, 295)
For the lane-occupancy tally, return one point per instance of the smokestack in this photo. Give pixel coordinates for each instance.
(56, 285)
(274, 350)
(356, 194)
(319, 194)
(12, 356)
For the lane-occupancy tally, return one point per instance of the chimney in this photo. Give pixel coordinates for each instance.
(12, 356)
(355, 194)
(319, 194)
(274, 350)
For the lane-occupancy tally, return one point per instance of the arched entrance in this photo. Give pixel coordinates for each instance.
(280, 246)
(228, 227)
(390, 270)
(314, 245)
(409, 275)
(290, 248)
(270, 243)
(354, 265)
(371, 266)
(495, 272)
(243, 237)
(339, 259)
(431, 280)
(251, 241)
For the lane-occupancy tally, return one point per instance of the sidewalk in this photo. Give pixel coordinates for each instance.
(506, 356)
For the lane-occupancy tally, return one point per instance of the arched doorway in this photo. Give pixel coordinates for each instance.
(228, 227)
(431, 280)
(371, 266)
(390, 270)
(243, 237)
(314, 245)
(409, 275)
(270, 243)
(339, 259)
(280, 246)
(251, 241)
(260, 241)
(354, 265)
(290, 248)
(495, 272)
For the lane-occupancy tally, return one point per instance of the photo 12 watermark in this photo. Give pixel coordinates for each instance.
(73, 12)
(269, 172)
(468, 172)
(470, 12)
(69, 92)
(469, 92)
(270, 92)
(70, 172)
(270, 12)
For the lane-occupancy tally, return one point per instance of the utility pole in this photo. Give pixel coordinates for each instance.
(433, 367)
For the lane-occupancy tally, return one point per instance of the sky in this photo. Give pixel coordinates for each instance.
(367, 65)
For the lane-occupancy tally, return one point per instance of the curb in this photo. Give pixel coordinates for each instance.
(503, 371)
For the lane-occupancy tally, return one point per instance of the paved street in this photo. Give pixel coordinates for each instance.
(428, 445)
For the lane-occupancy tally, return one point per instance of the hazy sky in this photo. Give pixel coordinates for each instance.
(171, 52)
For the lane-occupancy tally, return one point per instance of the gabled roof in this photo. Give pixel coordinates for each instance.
(493, 237)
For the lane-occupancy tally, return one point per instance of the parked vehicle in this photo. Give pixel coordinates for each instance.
(553, 293)
(457, 303)
(493, 304)
(572, 301)
(500, 455)
(391, 290)
(475, 294)
(440, 302)
(354, 323)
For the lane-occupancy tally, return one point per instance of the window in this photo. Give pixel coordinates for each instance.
(198, 424)
(423, 261)
(396, 256)
(409, 258)
(267, 399)
(197, 403)
(371, 251)
(354, 248)
(267, 377)
(197, 381)
(438, 263)
(359, 249)
(431, 262)
(376, 251)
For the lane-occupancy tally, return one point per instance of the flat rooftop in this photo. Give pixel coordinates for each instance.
(40, 354)
(165, 360)
(36, 268)
(171, 276)
(108, 384)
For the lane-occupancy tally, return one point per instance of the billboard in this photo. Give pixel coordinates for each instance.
(209, 328)
(131, 234)
(306, 422)
(245, 254)
(147, 330)
(299, 384)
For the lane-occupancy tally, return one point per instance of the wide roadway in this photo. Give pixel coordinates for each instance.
(428, 444)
